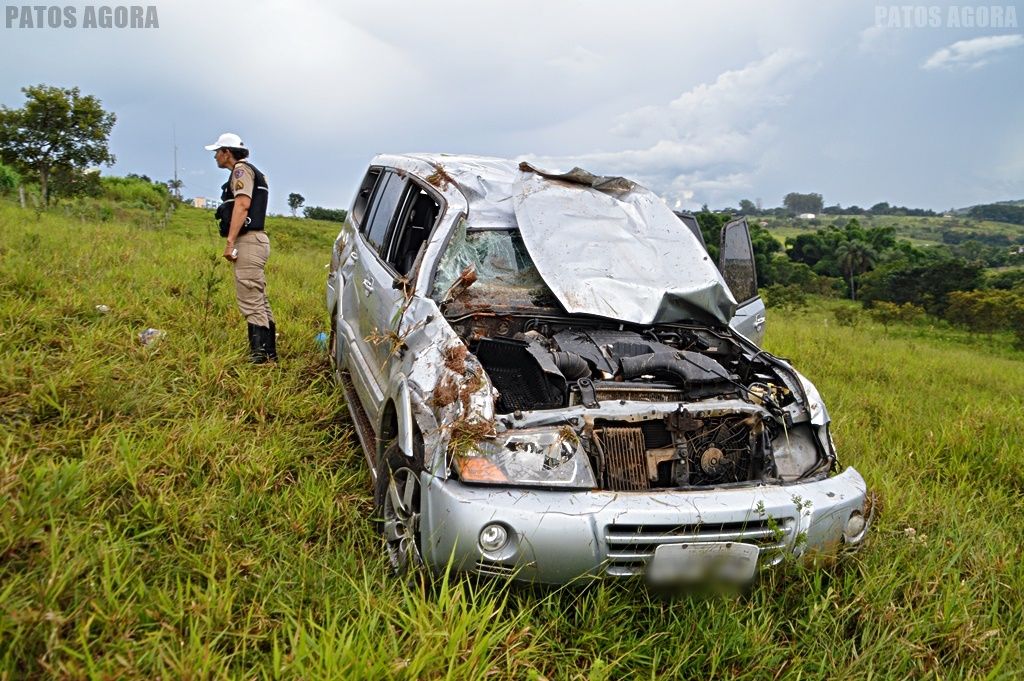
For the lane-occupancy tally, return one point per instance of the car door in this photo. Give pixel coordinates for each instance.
(736, 262)
(378, 302)
(690, 220)
(351, 275)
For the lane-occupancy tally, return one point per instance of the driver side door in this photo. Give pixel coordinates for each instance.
(736, 262)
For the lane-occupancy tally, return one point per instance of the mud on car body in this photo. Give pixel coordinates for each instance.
(551, 380)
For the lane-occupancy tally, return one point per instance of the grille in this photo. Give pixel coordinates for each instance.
(492, 569)
(631, 546)
(515, 373)
(625, 459)
(517, 389)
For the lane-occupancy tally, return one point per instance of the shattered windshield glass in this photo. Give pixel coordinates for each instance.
(502, 264)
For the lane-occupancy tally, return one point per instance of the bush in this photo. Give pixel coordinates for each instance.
(135, 192)
(987, 311)
(886, 313)
(1006, 279)
(787, 297)
(318, 213)
(847, 316)
(9, 179)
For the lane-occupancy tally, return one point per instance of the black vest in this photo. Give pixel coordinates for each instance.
(257, 206)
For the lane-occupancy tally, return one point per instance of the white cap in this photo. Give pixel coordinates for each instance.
(228, 139)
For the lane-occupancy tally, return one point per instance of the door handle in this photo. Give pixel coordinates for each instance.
(368, 285)
(354, 257)
(759, 322)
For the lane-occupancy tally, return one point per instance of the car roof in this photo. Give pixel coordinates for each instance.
(484, 181)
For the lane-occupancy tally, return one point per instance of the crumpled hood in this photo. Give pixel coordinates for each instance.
(608, 247)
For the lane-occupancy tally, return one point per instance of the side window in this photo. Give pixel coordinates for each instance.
(363, 196)
(736, 261)
(419, 213)
(385, 202)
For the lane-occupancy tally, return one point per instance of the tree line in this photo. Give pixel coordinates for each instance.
(891, 277)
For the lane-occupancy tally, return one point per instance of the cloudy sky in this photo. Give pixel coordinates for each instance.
(705, 102)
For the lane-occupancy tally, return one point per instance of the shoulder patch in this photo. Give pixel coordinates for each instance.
(239, 184)
(238, 172)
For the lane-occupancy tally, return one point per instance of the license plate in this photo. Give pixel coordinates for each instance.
(697, 562)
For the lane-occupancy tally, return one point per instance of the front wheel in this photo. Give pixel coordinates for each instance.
(397, 496)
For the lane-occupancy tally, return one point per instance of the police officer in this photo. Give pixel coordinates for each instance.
(242, 212)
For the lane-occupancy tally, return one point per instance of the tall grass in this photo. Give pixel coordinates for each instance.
(169, 511)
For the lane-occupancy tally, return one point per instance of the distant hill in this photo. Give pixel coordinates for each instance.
(919, 230)
(967, 209)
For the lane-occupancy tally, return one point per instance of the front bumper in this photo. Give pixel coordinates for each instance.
(559, 536)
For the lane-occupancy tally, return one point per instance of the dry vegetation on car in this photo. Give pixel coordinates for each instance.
(169, 511)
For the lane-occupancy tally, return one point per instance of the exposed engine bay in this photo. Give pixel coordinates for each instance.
(732, 407)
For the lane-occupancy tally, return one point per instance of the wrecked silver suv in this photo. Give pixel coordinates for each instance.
(551, 379)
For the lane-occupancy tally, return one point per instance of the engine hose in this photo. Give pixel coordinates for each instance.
(572, 366)
(656, 364)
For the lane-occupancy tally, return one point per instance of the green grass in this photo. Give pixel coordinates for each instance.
(170, 511)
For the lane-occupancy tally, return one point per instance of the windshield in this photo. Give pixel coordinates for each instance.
(503, 266)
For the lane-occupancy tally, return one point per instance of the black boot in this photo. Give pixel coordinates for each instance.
(257, 344)
(272, 342)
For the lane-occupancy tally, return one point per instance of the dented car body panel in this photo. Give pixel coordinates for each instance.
(541, 405)
(559, 537)
(659, 272)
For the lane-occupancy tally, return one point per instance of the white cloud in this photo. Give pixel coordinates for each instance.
(705, 144)
(881, 41)
(973, 53)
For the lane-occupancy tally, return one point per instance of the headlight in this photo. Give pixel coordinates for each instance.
(542, 457)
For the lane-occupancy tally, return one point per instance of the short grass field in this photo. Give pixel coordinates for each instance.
(168, 511)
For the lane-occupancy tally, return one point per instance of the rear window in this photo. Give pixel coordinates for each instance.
(364, 194)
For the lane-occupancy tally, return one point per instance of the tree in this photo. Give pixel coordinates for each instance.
(58, 129)
(922, 278)
(855, 257)
(803, 203)
(747, 207)
(318, 213)
(175, 186)
(295, 202)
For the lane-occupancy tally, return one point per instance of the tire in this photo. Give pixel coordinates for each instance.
(397, 501)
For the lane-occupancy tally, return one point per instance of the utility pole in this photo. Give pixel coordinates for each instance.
(174, 136)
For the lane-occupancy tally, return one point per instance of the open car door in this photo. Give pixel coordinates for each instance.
(736, 262)
(690, 220)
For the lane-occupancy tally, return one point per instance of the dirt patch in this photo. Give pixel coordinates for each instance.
(440, 177)
(446, 392)
(466, 433)
(455, 358)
